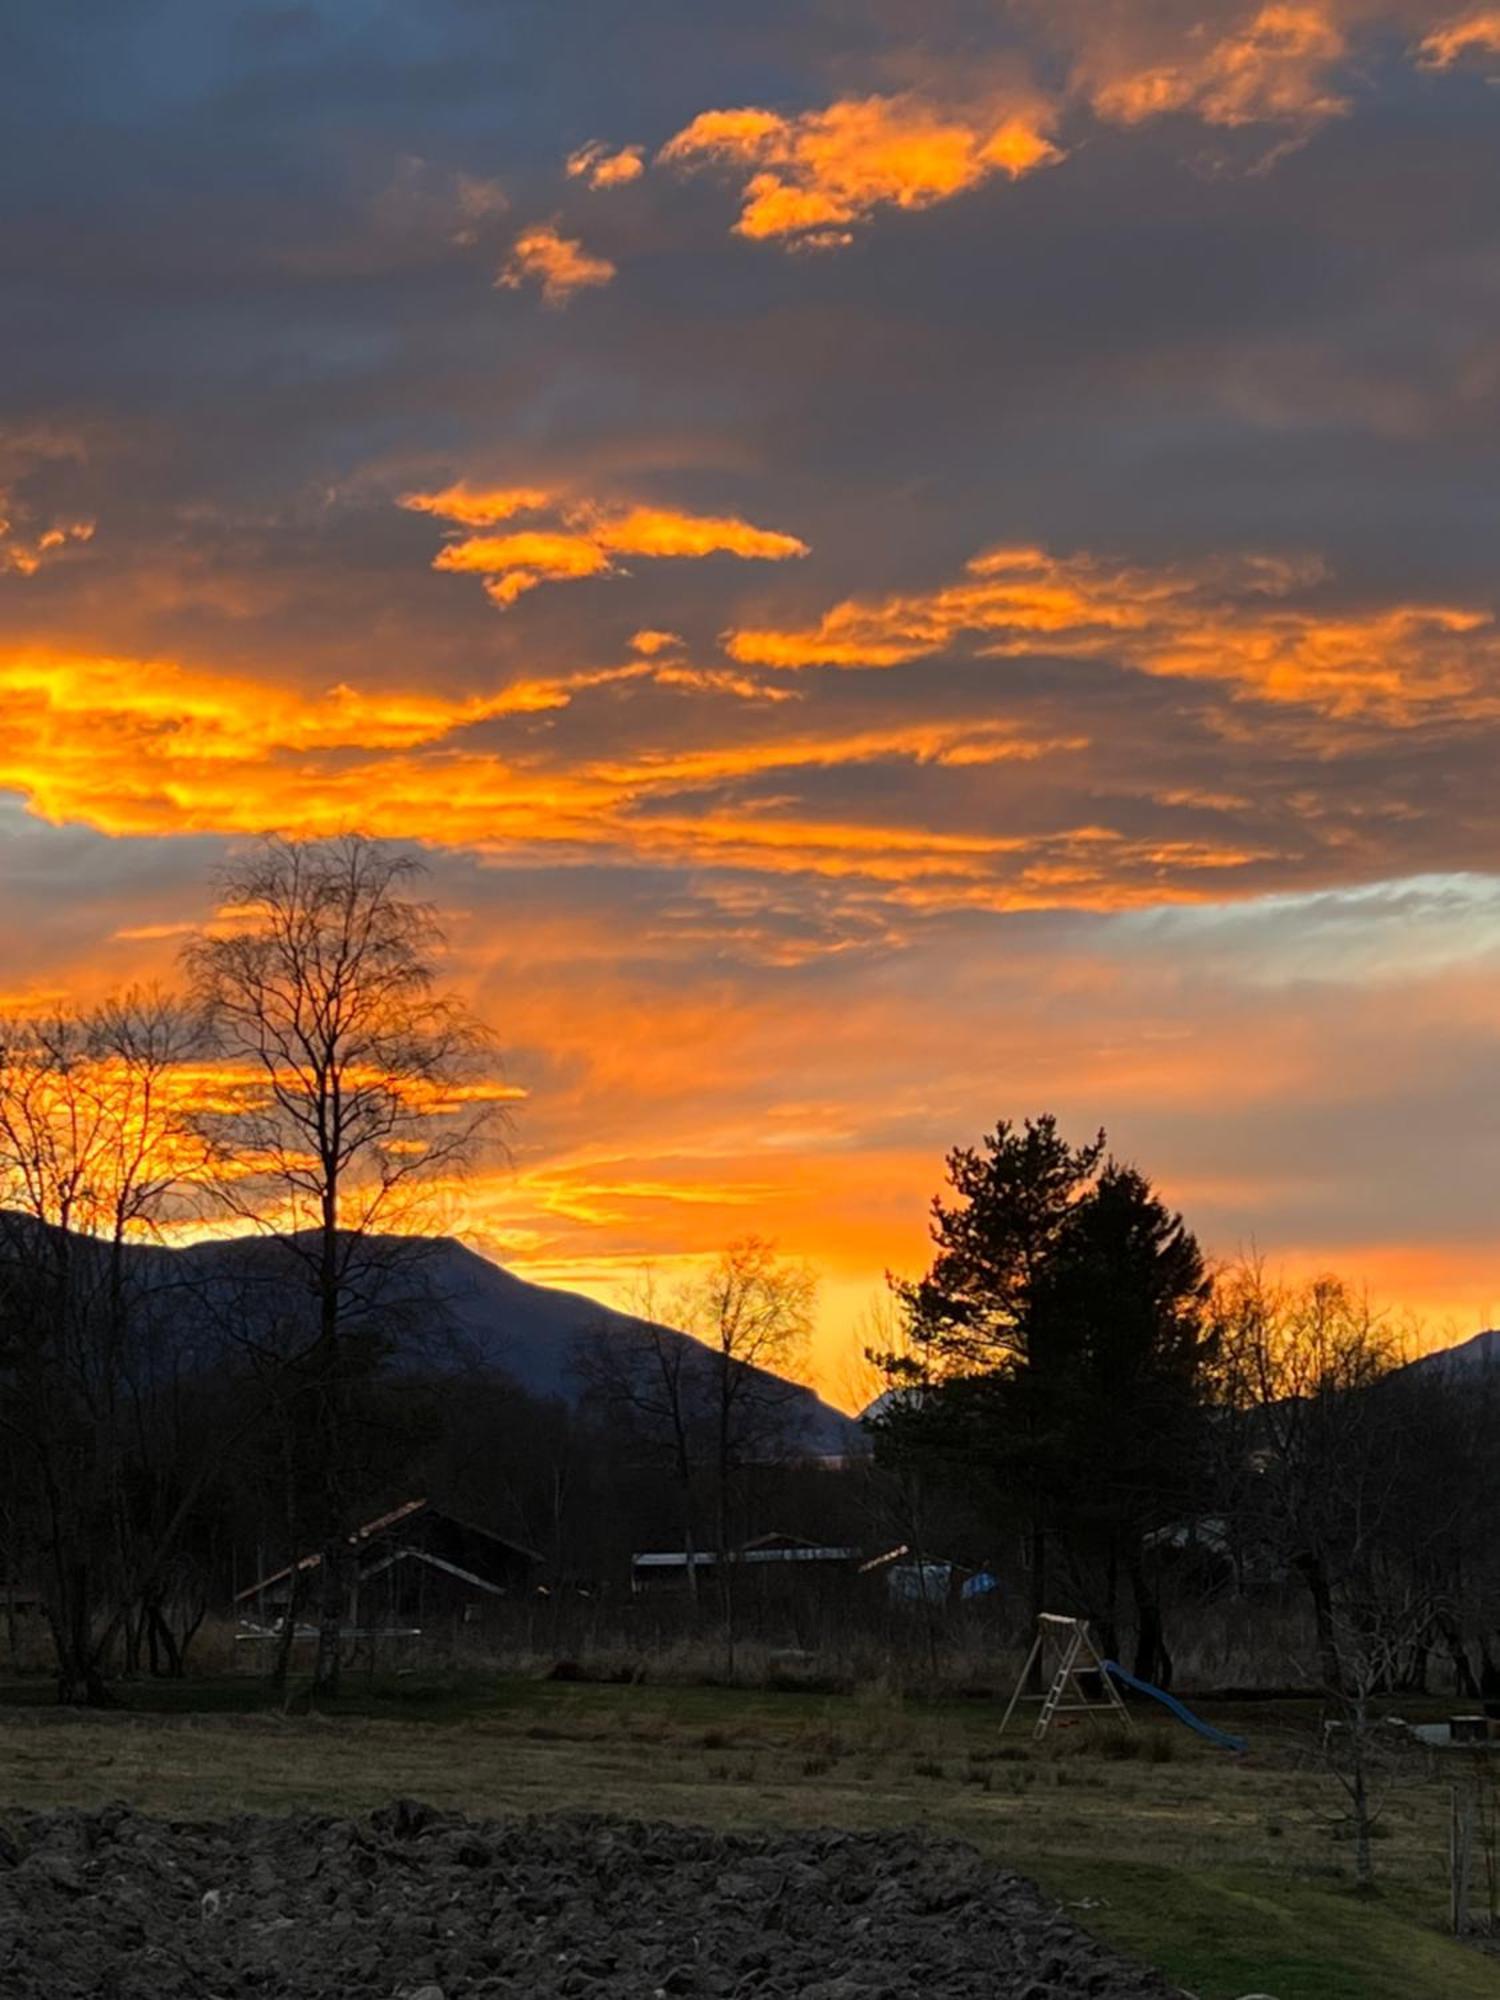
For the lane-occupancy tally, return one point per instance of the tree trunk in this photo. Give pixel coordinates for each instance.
(332, 1593)
(134, 1633)
(1109, 1620)
(162, 1632)
(80, 1684)
(1465, 1681)
(331, 1570)
(726, 1567)
(1152, 1660)
(282, 1668)
(691, 1555)
(1315, 1575)
(1359, 1796)
(726, 1585)
(1036, 1601)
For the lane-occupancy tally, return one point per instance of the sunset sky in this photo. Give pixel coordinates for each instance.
(903, 565)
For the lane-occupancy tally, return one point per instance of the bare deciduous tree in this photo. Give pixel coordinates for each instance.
(1310, 1450)
(357, 1089)
(753, 1311)
(1365, 1752)
(96, 1152)
(652, 1385)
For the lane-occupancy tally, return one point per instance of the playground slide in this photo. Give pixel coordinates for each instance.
(1224, 1740)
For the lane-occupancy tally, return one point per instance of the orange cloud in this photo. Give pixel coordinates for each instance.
(24, 555)
(483, 509)
(1229, 620)
(658, 531)
(72, 706)
(651, 643)
(813, 176)
(513, 564)
(166, 750)
(601, 168)
(588, 542)
(1272, 68)
(943, 743)
(719, 680)
(558, 264)
(1468, 34)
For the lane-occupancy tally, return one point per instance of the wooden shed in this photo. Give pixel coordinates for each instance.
(415, 1569)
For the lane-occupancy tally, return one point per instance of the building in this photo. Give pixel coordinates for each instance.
(415, 1570)
(912, 1579)
(768, 1561)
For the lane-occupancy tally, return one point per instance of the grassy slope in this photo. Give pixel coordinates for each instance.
(1223, 1935)
(1244, 1891)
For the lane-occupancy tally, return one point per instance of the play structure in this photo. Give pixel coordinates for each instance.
(1073, 1653)
(1173, 1706)
(1083, 1682)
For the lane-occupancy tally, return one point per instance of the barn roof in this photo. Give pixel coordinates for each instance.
(376, 1530)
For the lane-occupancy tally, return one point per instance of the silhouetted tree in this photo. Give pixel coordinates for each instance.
(1117, 1363)
(94, 1156)
(974, 1319)
(752, 1311)
(1309, 1446)
(654, 1387)
(362, 1088)
(1061, 1349)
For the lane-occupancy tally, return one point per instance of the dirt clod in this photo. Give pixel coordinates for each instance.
(417, 1903)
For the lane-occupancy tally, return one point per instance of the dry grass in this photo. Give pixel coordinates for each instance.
(1233, 1643)
(870, 1759)
(1081, 1813)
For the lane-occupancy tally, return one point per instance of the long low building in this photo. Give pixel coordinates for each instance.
(768, 1555)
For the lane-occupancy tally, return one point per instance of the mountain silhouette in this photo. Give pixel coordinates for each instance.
(1470, 1357)
(444, 1308)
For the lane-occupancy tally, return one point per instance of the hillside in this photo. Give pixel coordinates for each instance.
(531, 1332)
(1469, 1357)
(452, 1310)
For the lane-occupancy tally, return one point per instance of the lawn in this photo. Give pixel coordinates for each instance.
(1229, 1873)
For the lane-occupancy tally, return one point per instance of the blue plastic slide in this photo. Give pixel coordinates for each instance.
(1224, 1740)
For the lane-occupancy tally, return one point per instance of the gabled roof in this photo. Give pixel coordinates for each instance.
(431, 1561)
(383, 1525)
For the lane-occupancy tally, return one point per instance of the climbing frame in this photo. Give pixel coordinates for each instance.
(1073, 1652)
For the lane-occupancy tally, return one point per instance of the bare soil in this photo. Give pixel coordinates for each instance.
(410, 1903)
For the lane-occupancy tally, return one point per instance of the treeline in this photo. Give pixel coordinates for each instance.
(308, 1088)
(1154, 1439)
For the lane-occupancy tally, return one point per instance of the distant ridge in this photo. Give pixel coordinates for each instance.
(490, 1318)
(1473, 1356)
(531, 1331)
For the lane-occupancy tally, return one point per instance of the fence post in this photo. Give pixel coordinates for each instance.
(1460, 1854)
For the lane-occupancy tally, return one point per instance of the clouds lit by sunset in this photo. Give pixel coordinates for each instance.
(1036, 650)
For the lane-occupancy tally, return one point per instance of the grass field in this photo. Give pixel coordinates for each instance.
(1229, 1873)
